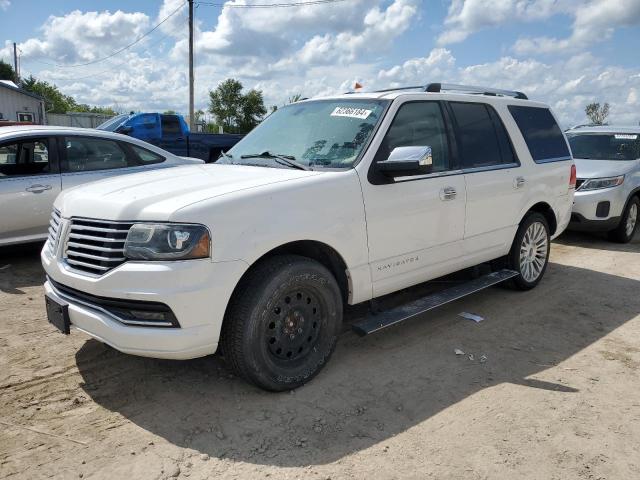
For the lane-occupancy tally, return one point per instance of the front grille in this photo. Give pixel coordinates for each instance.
(579, 182)
(54, 225)
(95, 246)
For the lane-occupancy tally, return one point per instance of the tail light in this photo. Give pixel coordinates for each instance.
(573, 177)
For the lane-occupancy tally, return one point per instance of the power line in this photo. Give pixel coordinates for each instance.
(123, 48)
(269, 5)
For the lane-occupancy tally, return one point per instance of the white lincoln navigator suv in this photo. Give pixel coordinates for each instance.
(328, 202)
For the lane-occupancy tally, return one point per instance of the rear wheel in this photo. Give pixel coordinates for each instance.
(529, 253)
(283, 323)
(628, 226)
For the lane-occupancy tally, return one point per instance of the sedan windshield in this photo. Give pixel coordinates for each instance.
(113, 123)
(322, 133)
(605, 146)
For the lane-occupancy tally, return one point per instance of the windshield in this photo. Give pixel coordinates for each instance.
(113, 123)
(605, 146)
(322, 133)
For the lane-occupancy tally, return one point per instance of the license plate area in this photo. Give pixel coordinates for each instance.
(58, 314)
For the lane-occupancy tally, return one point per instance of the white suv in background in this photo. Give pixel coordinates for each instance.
(608, 186)
(328, 201)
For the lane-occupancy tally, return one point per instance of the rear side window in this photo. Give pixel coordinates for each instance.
(145, 156)
(482, 138)
(170, 125)
(541, 133)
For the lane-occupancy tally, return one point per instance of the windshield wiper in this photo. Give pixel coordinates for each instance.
(287, 160)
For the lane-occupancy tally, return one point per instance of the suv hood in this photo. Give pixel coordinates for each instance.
(603, 168)
(156, 194)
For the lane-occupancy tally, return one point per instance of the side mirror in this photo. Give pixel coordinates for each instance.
(406, 161)
(125, 129)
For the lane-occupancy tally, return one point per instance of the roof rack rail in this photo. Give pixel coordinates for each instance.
(439, 87)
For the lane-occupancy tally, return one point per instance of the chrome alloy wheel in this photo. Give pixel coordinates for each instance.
(632, 219)
(533, 252)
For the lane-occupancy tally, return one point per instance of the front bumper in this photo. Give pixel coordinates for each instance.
(195, 291)
(597, 210)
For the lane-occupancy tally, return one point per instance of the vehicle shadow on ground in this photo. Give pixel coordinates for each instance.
(374, 387)
(597, 241)
(17, 268)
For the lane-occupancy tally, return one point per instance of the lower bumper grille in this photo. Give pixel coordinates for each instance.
(137, 313)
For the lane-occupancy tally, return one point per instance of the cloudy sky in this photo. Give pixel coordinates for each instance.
(564, 52)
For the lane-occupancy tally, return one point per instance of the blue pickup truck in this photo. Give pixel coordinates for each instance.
(170, 132)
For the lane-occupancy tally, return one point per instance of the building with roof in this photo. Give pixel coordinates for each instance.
(19, 105)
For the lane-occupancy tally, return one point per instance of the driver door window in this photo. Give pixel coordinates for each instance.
(418, 124)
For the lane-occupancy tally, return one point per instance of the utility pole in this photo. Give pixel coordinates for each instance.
(191, 107)
(15, 61)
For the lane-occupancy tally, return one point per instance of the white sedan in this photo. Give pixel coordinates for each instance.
(38, 162)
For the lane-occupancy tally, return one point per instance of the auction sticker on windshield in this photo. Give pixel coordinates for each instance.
(626, 137)
(351, 112)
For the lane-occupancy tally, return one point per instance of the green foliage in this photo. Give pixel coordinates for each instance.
(235, 111)
(597, 114)
(169, 112)
(295, 98)
(7, 72)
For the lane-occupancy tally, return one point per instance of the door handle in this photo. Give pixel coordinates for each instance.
(448, 193)
(519, 182)
(38, 188)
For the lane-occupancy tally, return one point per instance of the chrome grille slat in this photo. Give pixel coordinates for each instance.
(95, 246)
(88, 265)
(81, 228)
(95, 239)
(97, 257)
(54, 224)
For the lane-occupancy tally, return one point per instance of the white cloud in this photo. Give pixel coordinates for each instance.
(466, 17)
(4, 4)
(594, 22)
(82, 37)
(567, 86)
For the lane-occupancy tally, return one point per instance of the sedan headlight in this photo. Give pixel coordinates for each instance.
(598, 183)
(156, 241)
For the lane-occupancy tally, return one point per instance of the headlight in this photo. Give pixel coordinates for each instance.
(598, 183)
(153, 241)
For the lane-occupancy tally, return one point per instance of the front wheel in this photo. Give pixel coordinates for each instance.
(529, 253)
(625, 231)
(283, 323)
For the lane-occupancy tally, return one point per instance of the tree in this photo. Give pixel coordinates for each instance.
(169, 112)
(7, 72)
(252, 111)
(295, 98)
(58, 102)
(235, 111)
(597, 114)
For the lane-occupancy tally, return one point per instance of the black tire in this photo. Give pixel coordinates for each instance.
(524, 281)
(621, 233)
(283, 322)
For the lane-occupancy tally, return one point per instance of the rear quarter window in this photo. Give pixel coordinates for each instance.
(541, 133)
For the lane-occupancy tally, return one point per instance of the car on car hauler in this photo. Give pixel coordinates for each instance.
(329, 201)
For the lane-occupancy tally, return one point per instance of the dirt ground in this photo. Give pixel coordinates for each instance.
(556, 395)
